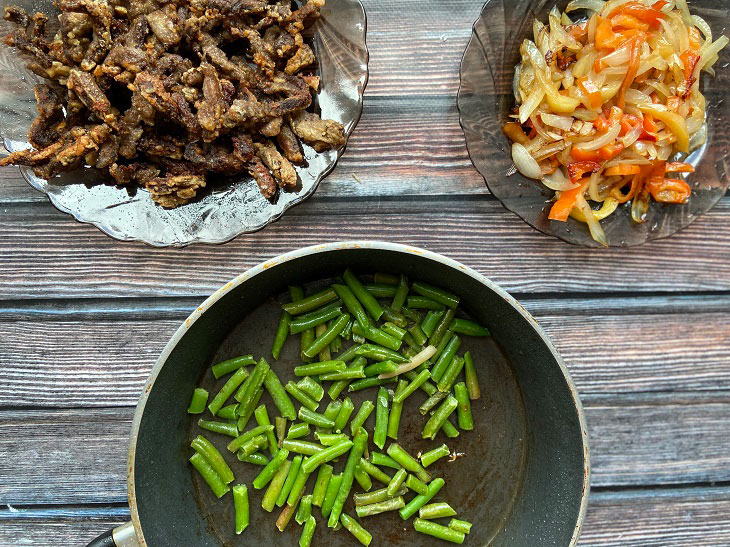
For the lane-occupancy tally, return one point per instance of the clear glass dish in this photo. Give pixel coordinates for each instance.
(485, 100)
(227, 210)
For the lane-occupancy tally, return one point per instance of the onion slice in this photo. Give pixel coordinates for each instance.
(417, 360)
(525, 163)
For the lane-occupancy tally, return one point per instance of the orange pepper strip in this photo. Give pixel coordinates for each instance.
(669, 190)
(634, 59)
(592, 92)
(673, 103)
(679, 167)
(628, 21)
(577, 169)
(650, 15)
(564, 205)
(602, 154)
(694, 39)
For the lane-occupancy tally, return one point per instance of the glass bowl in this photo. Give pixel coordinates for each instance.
(485, 100)
(226, 210)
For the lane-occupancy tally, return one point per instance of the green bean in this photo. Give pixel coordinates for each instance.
(392, 504)
(352, 304)
(206, 449)
(412, 345)
(311, 388)
(356, 529)
(431, 402)
(396, 482)
(375, 472)
(268, 472)
(449, 430)
(412, 386)
(297, 488)
(437, 419)
(445, 359)
(227, 390)
(262, 418)
(246, 412)
(291, 476)
(470, 372)
(436, 510)
(198, 401)
(219, 427)
(350, 373)
(378, 336)
(382, 460)
(321, 367)
(430, 321)
(463, 526)
(336, 344)
(228, 412)
(434, 293)
(422, 499)
(418, 335)
(323, 340)
(416, 484)
(316, 317)
(333, 489)
(393, 330)
(427, 387)
(284, 517)
(209, 475)
(239, 441)
(315, 418)
(305, 509)
(278, 394)
(344, 414)
(346, 333)
(349, 354)
(256, 459)
(442, 327)
(324, 352)
(275, 486)
(449, 377)
(380, 291)
(395, 412)
(311, 302)
(366, 299)
(348, 475)
(385, 278)
(395, 317)
(302, 447)
(332, 410)
(282, 333)
(383, 367)
(432, 456)
(240, 504)
(305, 540)
(305, 340)
(442, 345)
(251, 446)
(298, 430)
(366, 409)
(408, 462)
(324, 476)
(326, 455)
(381, 418)
(411, 315)
(438, 531)
(300, 396)
(371, 351)
(296, 293)
(376, 496)
(337, 387)
(466, 420)
(401, 293)
(365, 383)
(248, 398)
(226, 367)
(468, 328)
(280, 429)
(423, 303)
(363, 479)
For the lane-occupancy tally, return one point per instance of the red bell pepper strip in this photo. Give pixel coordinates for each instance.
(577, 169)
(634, 59)
(650, 15)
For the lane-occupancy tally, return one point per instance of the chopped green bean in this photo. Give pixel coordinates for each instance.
(378, 336)
(227, 390)
(311, 302)
(362, 415)
(442, 326)
(206, 449)
(226, 367)
(333, 489)
(365, 383)
(298, 430)
(472, 382)
(466, 420)
(209, 475)
(442, 344)
(300, 396)
(401, 293)
(307, 448)
(380, 291)
(239, 441)
(449, 377)
(427, 387)
(219, 427)
(436, 510)
(262, 418)
(291, 476)
(377, 496)
(321, 367)
(383, 367)
(332, 410)
(396, 482)
(282, 333)
(298, 487)
(412, 386)
(284, 517)
(437, 419)
(363, 479)
(240, 504)
(325, 338)
(305, 540)
(337, 387)
(411, 315)
(278, 394)
(430, 321)
(434, 293)
(311, 388)
(367, 300)
(423, 303)
(245, 412)
(356, 529)
(324, 352)
(422, 499)
(326, 455)
(305, 509)
(280, 429)
(251, 446)
(256, 459)
(392, 504)
(305, 340)
(412, 345)
(251, 394)
(346, 333)
(349, 354)
(449, 430)
(468, 328)
(198, 401)
(381, 418)
(350, 373)
(358, 447)
(378, 458)
(344, 414)
(393, 330)
(445, 358)
(438, 531)
(228, 412)
(372, 351)
(315, 418)
(395, 317)
(416, 484)
(432, 456)
(316, 317)
(268, 472)
(395, 412)
(352, 304)
(375, 472)
(275, 486)
(385, 278)
(418, 335)
(431, 402)
(408, 462)
(462, 526)
(324, 476)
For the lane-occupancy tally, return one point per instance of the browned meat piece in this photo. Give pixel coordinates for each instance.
(131, 128)
(279, 10)
(134, 172)
(213, 107)
(173, 190)
(289, 145)
(303, 57)
(237, 71)
(173, 104)
(272, 127)
(296, 19)
(296, 91)
(312, 82)
(163, 26)
(245, 109)
(161, 145)
(108, 153)
(17, 15)
(283, 45)
(243, 146)
(281, 168)
(19, 40)
(262, 52)
(43, 131)
(266, 183)
(214, 158)
(321, 134)
(88, 91)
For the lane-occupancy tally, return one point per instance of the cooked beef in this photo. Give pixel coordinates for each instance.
(321, 134)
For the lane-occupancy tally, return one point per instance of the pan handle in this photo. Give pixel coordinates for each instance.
(121, 536)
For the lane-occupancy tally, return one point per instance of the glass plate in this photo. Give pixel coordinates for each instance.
(227, 210)
(485, 100)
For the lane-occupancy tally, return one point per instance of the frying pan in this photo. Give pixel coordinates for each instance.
(521, 476)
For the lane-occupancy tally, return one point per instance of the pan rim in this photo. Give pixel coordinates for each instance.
(339, 246)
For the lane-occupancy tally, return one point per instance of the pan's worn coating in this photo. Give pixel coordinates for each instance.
(523, 478)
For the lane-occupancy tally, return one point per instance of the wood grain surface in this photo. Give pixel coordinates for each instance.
(645, 331)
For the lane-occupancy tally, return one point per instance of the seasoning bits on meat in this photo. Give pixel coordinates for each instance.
(165, 94)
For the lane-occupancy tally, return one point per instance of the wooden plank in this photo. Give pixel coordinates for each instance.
(75, 260)
(79, 455)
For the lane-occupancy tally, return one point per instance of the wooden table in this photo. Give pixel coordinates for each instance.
(645, 331)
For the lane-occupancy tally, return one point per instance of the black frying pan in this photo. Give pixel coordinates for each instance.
(523, 478)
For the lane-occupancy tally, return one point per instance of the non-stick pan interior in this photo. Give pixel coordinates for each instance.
(520, 478)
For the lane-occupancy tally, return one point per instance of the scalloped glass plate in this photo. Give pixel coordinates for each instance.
(485, 100)
(226, 210)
